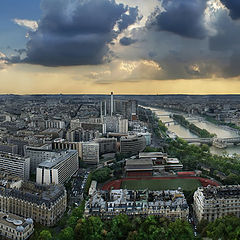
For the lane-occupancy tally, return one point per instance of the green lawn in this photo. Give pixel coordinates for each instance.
(161, 184)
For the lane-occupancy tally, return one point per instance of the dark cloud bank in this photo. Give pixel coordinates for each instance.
(77, 32)
(183, 17)
(233, 6)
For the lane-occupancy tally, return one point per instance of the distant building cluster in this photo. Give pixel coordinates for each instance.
(107, 204)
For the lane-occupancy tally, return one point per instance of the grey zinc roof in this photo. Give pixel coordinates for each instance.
(53, 162)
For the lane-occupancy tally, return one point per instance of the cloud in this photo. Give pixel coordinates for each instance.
(32, 25)
(234, 8)
(184, 18)
(227, 35)
(3, 61)
(129, 18)
(73, 32)
(126, 70)
(126, 41)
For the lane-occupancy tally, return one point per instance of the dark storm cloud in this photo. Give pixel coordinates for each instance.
(233, 6)
(128, 19)
(227, 37)
(227, 41)
(233, 68)
(77, 32)
(184, 18)
(125, 41)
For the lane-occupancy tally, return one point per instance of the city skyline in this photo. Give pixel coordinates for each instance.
(128, 47)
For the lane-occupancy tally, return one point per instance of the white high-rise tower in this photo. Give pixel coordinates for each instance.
(111, 111)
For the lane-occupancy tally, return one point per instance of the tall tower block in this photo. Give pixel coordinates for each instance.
(111, 111)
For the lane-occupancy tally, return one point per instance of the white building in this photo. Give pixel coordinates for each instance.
(58, 170)
(90, 152)
(148, 138)
(92, 188)
(15, 165)
(213, 202)
(54, 124)
(38, 155)
(122, 125)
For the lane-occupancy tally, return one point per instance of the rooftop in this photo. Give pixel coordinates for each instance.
(151, 154)
(13, 157)
(53, 162)
(228, 191)
(14, 221)
(32, 192)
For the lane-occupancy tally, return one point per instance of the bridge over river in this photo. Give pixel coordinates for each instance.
(234, 140)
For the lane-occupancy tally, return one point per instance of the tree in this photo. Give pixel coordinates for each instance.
(89, 229)
(202, 227)
(72, 221)
(180, 230)
(102, 175)
(45, 235)
(66, 234)
(120, 227)
(226, 228)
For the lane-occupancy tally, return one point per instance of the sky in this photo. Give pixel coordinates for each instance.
(124, 46)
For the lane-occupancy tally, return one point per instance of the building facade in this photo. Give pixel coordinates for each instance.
(15, 227)
(81, 135)
(122, 125)
(9, 148)
(15, 165)
(59, 169)
(106, 145)
(44, 204)
(55, 124)
(132, 144)
(169, 203)
(38, 155)
(213, 202)
(90, 152)
(62, 144)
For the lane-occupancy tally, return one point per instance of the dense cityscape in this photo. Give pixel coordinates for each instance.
(69, 162)
(119, 119)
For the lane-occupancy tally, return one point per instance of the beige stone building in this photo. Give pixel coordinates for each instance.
(213, 202)
(15, 227)
(44, 204)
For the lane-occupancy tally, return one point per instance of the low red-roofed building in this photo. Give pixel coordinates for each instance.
(186, 174)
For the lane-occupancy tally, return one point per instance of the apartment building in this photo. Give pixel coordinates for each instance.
(90, 152)
(15, 165)
(58, 170)
(214, 202)
(106, 145)
(132, 144)
(44, 204)
(107, 204)
(38, 155)
(15, 227)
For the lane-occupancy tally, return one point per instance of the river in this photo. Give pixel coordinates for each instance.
(221, 132)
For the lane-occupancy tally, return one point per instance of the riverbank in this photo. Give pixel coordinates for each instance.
(182, 132)
(202, 133)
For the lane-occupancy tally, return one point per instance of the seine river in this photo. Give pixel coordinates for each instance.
(221, 132)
